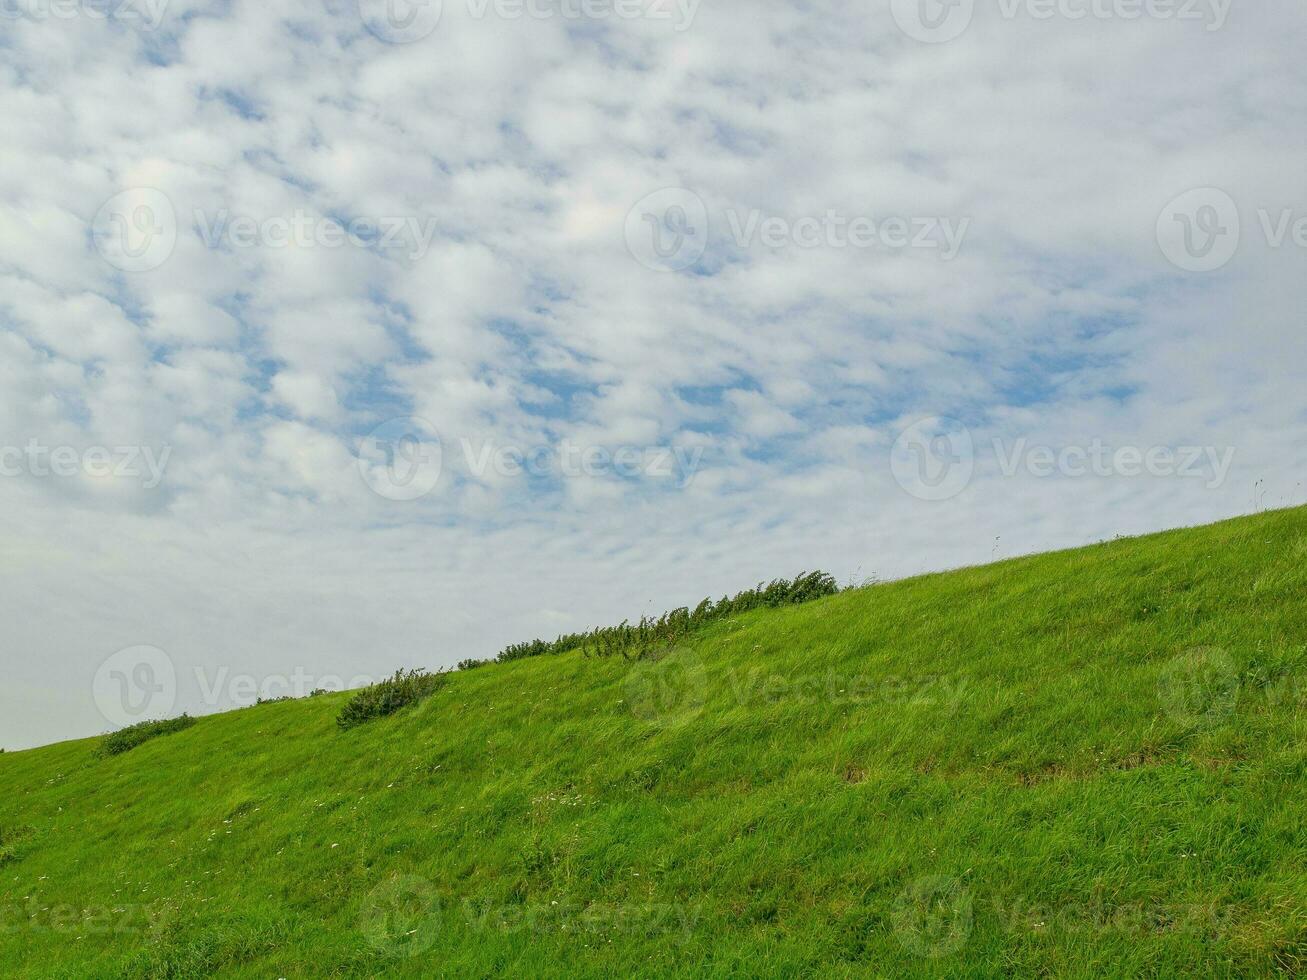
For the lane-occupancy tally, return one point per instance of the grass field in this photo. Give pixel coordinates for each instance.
(1080, 764)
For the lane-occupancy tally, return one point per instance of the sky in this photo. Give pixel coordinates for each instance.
(339, 336)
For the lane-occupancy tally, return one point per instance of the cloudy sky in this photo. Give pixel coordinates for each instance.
(344, 335)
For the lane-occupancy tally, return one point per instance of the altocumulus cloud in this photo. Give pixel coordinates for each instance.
(310, 257)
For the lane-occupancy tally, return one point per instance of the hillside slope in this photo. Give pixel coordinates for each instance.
(1078, 764)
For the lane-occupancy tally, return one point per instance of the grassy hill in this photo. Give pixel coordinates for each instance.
(1088, 763)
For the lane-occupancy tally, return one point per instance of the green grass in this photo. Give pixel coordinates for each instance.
(1080, 764)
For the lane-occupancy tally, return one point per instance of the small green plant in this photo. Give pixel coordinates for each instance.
(126, 739)
(405, 688)
(638, 641)
(9, 840)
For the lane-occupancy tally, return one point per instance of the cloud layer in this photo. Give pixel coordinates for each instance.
(453, 331)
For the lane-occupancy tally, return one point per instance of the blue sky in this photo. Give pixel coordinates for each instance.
(446, 333)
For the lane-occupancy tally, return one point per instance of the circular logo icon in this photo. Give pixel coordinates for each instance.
(934, 459)
(1200, 687)
(933, 917)
(134, 685)
(668, 692)
(136, 229)
(401, 459)
(668, 230)
(401, 917)
(400, 21)
(1200, 230)
(933, 21)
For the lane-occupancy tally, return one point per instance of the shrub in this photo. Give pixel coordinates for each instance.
(387, 697)
(637, 641)
(129, 738)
